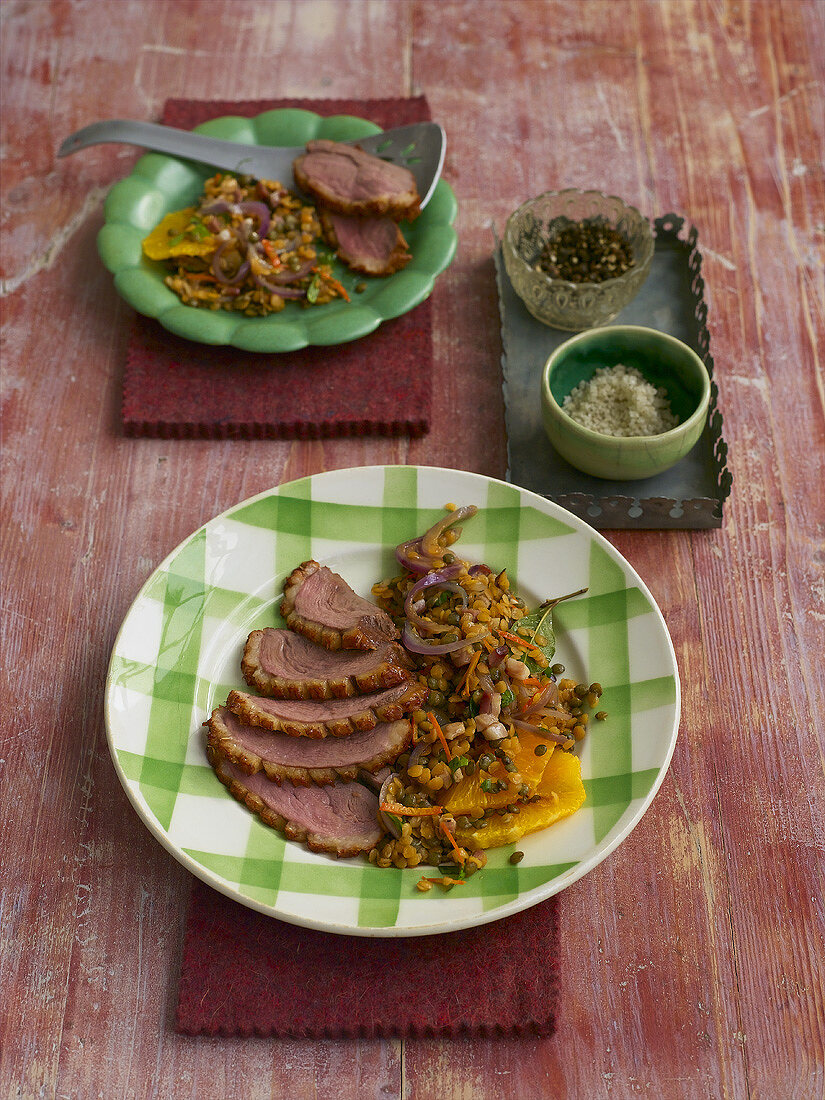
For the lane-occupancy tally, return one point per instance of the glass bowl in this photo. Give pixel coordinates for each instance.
(557, 302)
(663, 361)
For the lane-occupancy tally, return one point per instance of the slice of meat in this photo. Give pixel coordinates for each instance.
(286, 665)
(304, 761)
(374, 246)
(341, 820)
(350, 181)
(328, 717)
(321, 605)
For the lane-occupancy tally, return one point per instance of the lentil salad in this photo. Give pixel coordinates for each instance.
(492, 755)
(247, 246)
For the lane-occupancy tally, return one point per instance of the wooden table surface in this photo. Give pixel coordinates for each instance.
(692, 958)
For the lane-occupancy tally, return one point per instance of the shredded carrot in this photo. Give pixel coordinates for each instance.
(488, 643)
(445, 880)
(464, 685)
(451, 839)
(337, 286)
(534, 681)
(520, 641)
(271, 254)
(440, 733)
(411, 811)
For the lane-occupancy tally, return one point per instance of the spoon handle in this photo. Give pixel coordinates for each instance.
(180, 143)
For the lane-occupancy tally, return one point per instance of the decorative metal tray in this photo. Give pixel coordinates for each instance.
(690, 494)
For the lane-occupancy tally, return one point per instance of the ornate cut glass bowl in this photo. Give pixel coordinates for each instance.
(557, 302)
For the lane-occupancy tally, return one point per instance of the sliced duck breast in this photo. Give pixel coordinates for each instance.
(341, 819)
(328, 717)
(321, 605)
(286, 665)
(350, 181)
(373, 246)
(303, 761)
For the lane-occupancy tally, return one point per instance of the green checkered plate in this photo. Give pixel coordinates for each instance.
(178, 655)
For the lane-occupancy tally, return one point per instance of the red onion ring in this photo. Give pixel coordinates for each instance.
(218, 271)
(281, 291)
(416, 754)
(415, 644)
(429, 539)
(219, 208)
(420, 564)
(260, 211)
(289, 276)
(549, 695)
(528, 727)
(387, 823)
(437, 577)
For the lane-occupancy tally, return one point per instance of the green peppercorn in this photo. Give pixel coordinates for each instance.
(557, 669)
(448, 558)
(540, 750)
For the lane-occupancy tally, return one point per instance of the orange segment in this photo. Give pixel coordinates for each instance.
(466, 796)
(562, 794)
(157, 246)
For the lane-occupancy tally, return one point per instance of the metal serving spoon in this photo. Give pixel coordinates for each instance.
(419, 147)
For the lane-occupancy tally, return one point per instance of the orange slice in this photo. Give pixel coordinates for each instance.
(466, 796)
(562, 793)
(157, 246)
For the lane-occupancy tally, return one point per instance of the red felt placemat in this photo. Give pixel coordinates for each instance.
(244, 973)
(378, 385)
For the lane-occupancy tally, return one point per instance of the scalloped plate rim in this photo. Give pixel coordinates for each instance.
(305, 317)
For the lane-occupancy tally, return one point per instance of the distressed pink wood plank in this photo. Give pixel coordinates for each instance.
(691, 960)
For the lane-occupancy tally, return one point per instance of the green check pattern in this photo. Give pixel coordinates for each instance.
(178, 655)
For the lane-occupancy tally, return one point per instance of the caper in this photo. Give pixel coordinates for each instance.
(517, 857)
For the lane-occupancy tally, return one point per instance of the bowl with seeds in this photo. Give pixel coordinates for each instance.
(624, 402)
(577, 258)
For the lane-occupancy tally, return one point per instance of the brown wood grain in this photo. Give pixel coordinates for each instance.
(692, 958)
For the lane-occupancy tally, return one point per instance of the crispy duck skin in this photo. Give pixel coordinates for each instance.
(303, 761)
(330, 717)
(340, 820)
(321, 605)
(285, 665)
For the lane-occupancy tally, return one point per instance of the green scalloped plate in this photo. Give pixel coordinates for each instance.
(160, 184)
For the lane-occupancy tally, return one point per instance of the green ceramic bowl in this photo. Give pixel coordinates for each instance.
(664, 361)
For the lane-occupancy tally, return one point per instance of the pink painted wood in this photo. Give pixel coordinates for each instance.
(692, 958)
